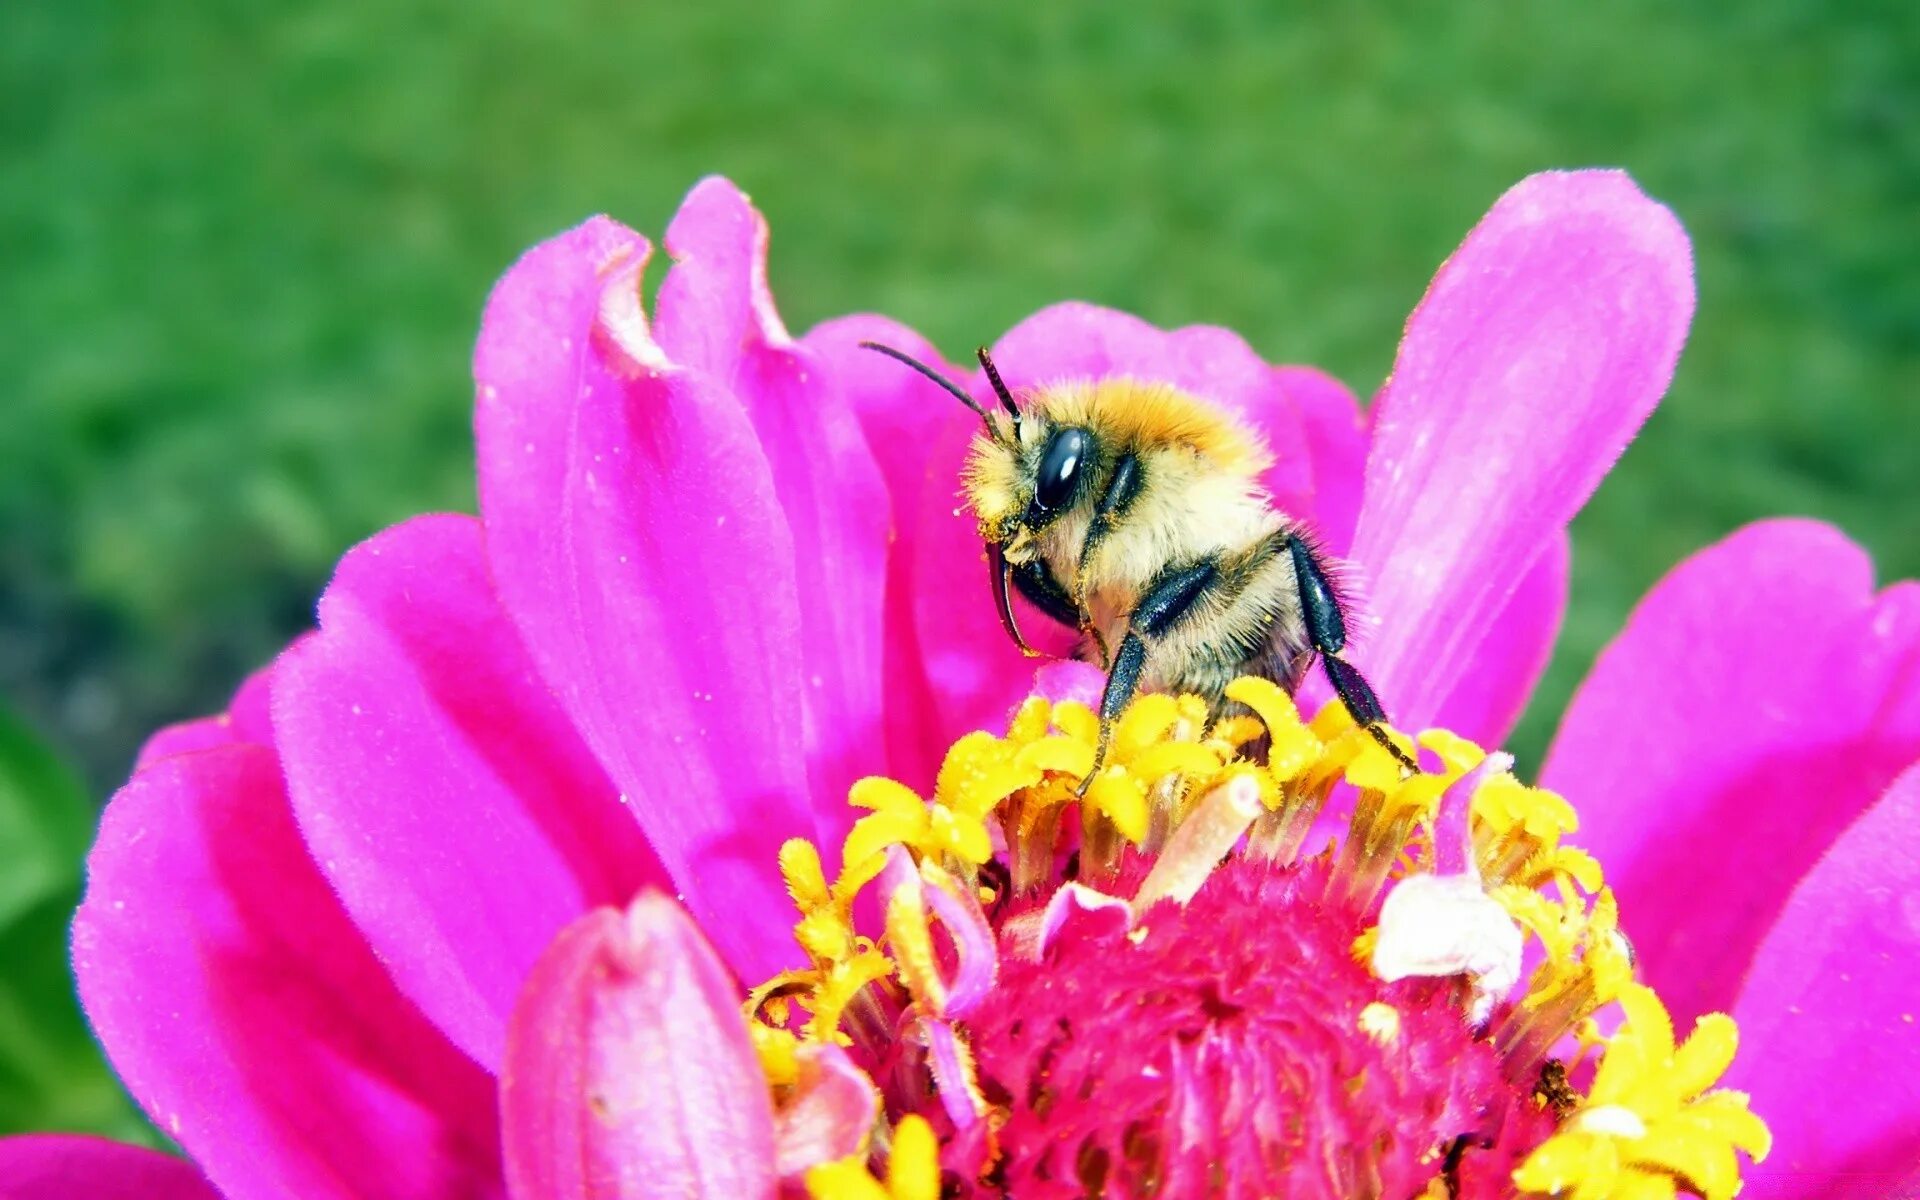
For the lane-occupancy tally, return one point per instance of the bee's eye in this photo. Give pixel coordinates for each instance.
(1060, 466)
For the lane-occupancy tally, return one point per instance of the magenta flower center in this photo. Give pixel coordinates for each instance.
(1233, 1037)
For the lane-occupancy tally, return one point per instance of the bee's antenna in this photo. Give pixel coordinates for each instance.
(959, 393)
(999, 388)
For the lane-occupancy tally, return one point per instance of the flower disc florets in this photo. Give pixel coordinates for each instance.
(1233, 1035)
(1184, 977)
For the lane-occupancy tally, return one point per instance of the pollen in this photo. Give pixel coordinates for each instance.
(1381, 1022)
(1180, 975)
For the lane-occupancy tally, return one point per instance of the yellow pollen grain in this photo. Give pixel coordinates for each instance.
(1379, 1021)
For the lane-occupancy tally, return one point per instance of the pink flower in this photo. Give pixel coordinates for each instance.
(373, 932)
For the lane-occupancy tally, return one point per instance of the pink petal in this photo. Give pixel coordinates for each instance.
(1759, 698)
(450, 802)
(1058, 682)
(200, 733)
(1540, 347)
(246, 720)
(629, 1072)
(1830, 1017)
(635, 536)
(899, 412)
(716, 315)
(62, 1166)
(1336, 441)
(1486, 702)
(243, 1010)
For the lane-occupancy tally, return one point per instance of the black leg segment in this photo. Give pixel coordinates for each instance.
(1326, 625)
(1122, 682)
(1172, 596)
(1327, 633)
(1354, 691)
(1122, 486)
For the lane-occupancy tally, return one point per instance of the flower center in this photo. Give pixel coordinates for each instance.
(1185, 976)
(1234, 1034)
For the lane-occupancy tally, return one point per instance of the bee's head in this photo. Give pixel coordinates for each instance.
(1022, 471)
(1020, 486)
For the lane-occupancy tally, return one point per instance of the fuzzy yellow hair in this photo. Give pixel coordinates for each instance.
(1136, 416)
(1126, 414)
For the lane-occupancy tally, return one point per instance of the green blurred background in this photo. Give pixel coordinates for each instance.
(243, 248)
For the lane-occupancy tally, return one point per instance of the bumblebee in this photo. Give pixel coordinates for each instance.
(1133, 512)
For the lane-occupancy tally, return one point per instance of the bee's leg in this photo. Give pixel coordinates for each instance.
(1171, 597)
(1122, 486)
(1092, 633)
(1327, 634)
(1122, 683)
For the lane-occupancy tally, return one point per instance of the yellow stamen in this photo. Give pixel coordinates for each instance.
(913, 1170)
(1587, 965)
(910, 941)
(1651, 1123)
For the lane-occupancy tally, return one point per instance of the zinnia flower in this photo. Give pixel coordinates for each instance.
(398, 923)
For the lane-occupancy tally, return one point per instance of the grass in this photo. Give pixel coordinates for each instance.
(245, 246)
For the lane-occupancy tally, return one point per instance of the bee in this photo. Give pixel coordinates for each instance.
(1133, 512)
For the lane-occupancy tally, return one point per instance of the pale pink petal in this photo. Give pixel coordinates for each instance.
(245, 1013)
(1336, 440)
(629, 1071)
(1485, 703)
(635, 537)
(1759, 698)
(899, 412)
(64, 1166)
(828, 1113)
(975, 962)
(717, 316)
(445, 794)
(1535, 355)
(1830, 1017)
